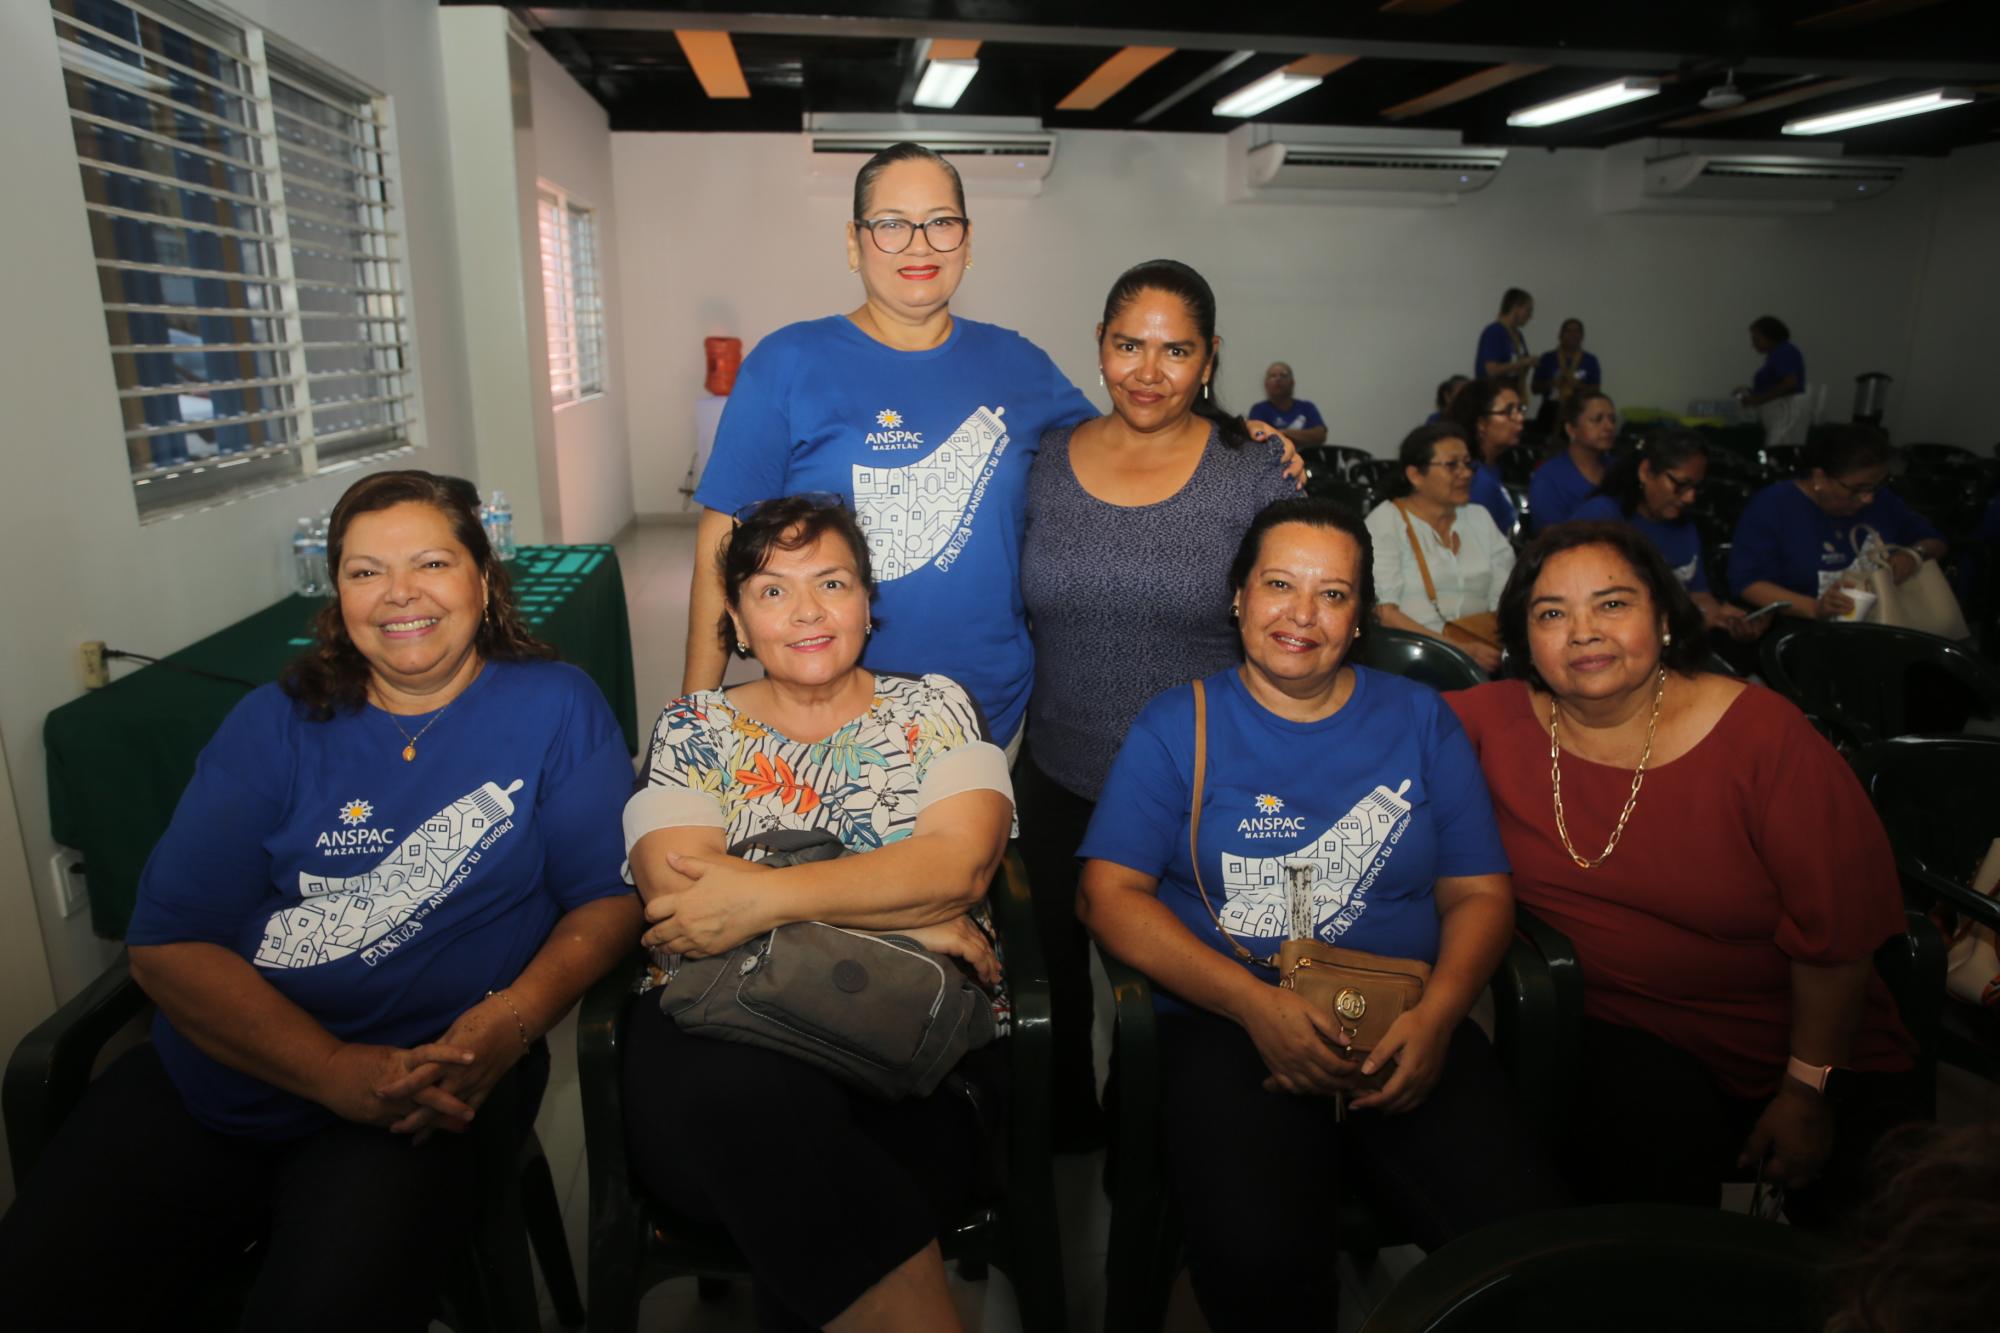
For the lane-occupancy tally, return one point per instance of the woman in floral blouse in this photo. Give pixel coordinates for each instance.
(900, 770)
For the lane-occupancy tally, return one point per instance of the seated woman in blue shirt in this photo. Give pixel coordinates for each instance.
(1653, 488)
(1366, 784)
(1492, 415)
(1796, 538)
(388, 876)
(1591, 422)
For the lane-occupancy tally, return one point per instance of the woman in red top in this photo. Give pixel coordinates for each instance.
(1720, 872)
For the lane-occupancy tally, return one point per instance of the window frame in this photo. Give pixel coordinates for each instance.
(572, 295)
(363, 293)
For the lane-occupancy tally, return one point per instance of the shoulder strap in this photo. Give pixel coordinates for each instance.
(1194, 827)
(1423, 566)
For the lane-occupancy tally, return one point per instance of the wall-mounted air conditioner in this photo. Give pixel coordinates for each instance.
(994, 155)
(1333, 164)
(1656, 175)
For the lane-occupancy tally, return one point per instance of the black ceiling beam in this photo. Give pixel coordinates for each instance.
(1051, 34)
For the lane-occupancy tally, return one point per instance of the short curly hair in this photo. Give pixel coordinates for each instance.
(1686, 653)
(789, 523)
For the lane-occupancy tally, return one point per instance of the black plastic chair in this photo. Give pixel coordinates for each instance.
(637, 1242)
(1375, 473)
(485, 1281)
(1433, 662)
(1939, 797)
(1871, 682)
(1333, 461)
(1538, 997)
(1637, 1268)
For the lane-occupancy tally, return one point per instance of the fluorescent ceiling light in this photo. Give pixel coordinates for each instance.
(1266, 93)
(1590, 100)
(944, 82)
(1937, 99)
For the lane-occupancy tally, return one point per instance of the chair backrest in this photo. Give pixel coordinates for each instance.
(1631, 1267)
(1335, 461)
(1876, 681)
(1419, 657)
(1939, 797)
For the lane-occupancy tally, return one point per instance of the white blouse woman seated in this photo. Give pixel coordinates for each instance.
(1438, 558)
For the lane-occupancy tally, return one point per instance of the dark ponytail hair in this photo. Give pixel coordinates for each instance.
(1416, 451)
(1663, 451)
(1178, 280)
(864, 179)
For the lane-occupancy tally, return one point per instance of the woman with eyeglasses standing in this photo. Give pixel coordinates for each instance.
(1440, 561)
(1490, 414)
(1653, 488)
(1570, 478)
(925, 423)
(1796, 538)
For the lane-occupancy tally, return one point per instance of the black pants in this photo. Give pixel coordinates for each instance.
(1259, 1173)
(136, 1209)
(1652, 1125)
(824, 1189)
(1053, 822)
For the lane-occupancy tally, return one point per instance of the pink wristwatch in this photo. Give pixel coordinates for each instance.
(1829, 1081)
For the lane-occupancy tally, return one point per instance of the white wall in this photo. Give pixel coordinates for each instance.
(572, 138)
(1941, 397)
(1372, 306)
(80, 566)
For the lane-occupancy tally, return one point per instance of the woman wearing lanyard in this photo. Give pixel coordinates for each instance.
(925, 423)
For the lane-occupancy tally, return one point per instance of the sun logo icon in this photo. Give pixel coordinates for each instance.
(889, 417)
(356, 812)
(1269, 805)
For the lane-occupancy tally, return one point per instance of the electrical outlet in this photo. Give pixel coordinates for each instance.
(90, 665)
(66, 878)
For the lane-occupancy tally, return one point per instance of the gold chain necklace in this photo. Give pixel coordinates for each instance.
(409, 741)
(1638, 777)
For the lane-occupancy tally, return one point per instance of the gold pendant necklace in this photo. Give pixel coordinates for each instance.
(409, 741)
(1638, 776)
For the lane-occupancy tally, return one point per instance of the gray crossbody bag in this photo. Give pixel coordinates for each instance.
(877, 1011)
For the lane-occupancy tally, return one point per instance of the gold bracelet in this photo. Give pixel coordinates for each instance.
(525, 1043)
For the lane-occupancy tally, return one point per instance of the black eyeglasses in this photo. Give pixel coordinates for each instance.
(812, 500)
(893, 235)
(1517, 410)
(1454, 464)
(1681, 485)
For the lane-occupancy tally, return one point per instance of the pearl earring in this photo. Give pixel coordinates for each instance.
(1666, 638)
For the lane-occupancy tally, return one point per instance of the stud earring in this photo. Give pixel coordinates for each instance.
(869, 628)
(1666, 638)
(742, 648)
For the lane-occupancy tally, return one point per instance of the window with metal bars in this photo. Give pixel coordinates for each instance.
(571, 298)
(241, 204)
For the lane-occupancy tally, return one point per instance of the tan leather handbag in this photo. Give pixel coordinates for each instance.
(1364, 992)
(1481, 627)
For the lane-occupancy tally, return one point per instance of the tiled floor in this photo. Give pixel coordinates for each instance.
(656, 559)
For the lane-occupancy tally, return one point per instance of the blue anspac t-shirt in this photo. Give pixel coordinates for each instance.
(1786, 539)
(1678, 543)
(1489, 492)
(1376, 803)
(1496, 343)
(1555, 491)
(384, 898)
(932, 450)
(1782, 360)
(1302, 414)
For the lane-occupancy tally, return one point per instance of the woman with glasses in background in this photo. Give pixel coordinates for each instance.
(1567, 480)
(1797, 538)
(1653, 489)
(1490, 415)
(1440, 561)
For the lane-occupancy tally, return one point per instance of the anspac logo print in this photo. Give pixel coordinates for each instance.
(921, 513)
(1270, 821)
(356, 812)
(892, 435)
(352, 838)
(1341, 863)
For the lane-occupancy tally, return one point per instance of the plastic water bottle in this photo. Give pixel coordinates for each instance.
(500, 526)
(302, 560)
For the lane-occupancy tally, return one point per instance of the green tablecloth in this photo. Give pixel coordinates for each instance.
(119, 757)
